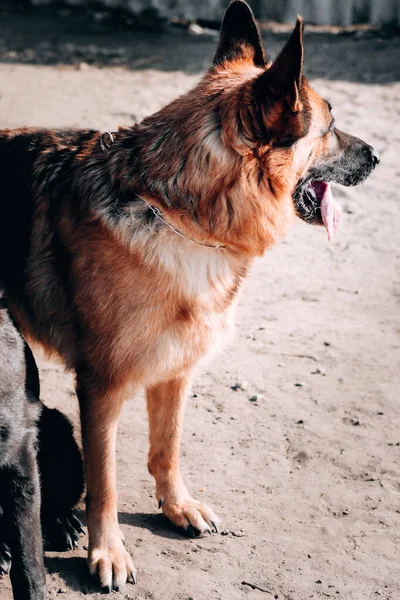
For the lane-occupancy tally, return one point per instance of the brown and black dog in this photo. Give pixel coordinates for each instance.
(126, 260)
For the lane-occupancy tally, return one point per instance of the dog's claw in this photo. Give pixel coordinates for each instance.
(74, 534)
(5, 560)
(191, 531)
(160, 503)
(132, 578)
(5, 551)
(76, 522)
(215, 526)
(62, 533)
(69, 542)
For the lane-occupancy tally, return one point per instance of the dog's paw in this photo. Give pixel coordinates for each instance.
(192, 516)
(112, 565)
(5, 560)
(63, 532)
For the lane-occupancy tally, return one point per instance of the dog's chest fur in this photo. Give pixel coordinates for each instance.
(205, 284)
(152, 309)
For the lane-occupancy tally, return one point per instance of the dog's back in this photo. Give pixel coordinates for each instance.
(16, 207)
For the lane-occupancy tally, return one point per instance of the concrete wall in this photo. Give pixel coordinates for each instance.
(330, 12)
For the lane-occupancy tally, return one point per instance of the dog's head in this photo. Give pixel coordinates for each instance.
(253, 144)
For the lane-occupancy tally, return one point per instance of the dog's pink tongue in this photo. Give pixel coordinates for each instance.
(331, 212)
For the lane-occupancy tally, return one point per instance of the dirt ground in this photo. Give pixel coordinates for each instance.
(306, 479)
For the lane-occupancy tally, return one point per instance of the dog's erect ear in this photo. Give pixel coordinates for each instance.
(240, 37)
(285, 75)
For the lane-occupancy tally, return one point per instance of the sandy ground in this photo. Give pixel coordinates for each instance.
(306, 479)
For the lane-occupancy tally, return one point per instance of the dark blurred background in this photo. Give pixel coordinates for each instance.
(319, 12)
(354, 40)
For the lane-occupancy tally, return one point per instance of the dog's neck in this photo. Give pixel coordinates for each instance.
(158, 214)
(181, 161)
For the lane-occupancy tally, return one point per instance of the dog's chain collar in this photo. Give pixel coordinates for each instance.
(107, 139)
(157, 212)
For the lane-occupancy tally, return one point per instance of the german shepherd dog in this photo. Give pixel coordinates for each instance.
(32, 436)
(128, 256)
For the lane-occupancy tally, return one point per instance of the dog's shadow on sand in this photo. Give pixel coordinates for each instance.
(157, 524)
(73, 570)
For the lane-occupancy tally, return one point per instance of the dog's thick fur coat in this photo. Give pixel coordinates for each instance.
(99, 279)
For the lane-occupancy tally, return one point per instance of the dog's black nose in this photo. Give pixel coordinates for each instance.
(375, 156)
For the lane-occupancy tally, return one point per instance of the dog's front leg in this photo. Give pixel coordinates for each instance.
(23, 531)
(165, 405)
(108, 557)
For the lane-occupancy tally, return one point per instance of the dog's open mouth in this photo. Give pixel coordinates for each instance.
(315, 204)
